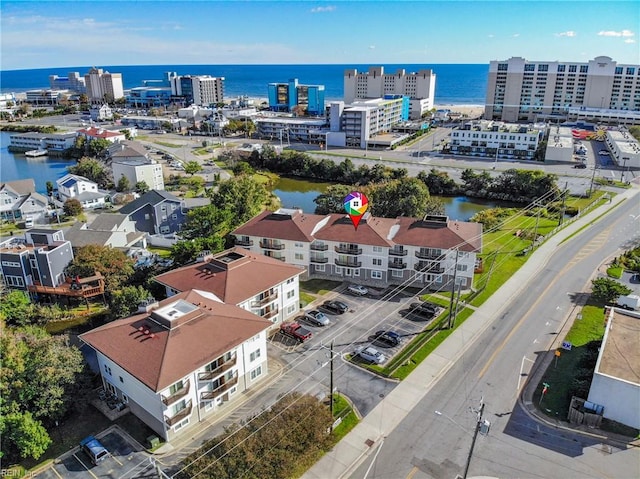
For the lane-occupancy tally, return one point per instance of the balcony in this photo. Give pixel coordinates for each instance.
(179, 416)
(265, 300)
(271, 245)
(244, 242)
(319, 259)
(397, 265)
(180, 393)
(319, 247)
(279, 257)
(210, 395)
(429, 254)
(348, 250)
(210, 375)
(348, 263)
(271, 314)
(398, 252)
(427, 267)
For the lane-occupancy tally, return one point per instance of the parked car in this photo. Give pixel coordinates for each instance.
(371, 355)
(580, 166)
(94, 449)
(423, 309)
(335, 307)
(296, 331)
(604, 153)
(387, 339)
(357, 289)
(316, 317)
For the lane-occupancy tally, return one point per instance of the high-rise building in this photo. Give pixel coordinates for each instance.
(200, 90)
(287, 96)
(103, 85)
(420, 87)
(521, 90)
(73, 81)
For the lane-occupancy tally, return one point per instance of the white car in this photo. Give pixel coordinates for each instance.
(358, 290)
(317, 318)
(604, 153)
(371, 354)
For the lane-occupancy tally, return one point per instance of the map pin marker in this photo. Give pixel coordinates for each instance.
(356, 204)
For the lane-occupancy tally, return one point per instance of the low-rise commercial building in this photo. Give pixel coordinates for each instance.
(624, 148)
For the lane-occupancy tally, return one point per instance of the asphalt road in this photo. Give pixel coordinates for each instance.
(428, 445)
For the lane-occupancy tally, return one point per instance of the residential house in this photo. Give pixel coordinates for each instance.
(95, 133)
(382, 251)
(181, 361)
(107, 229)
(156, 212)
(265, 286)
(82, 189)
(131, 160)
(19, 201)
(101, 113)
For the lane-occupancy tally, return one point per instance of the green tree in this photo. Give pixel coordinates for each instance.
(127, 134)
(607, 290)
(192, 167)
(125, 301)
(112, 263)
(23, 435)
(124, 184)
(49, 186)
(474, 183)
(395, 198)
(332, 200)
(242, 168)
(438, 182)
(142, 187)
(207, 221)
(243, 196)
(97, 147)
(186, 251)
(91, 169)
(16, 307)
(72, 207)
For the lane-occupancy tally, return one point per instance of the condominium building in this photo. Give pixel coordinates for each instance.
(286, 96)
(200, 90)
(103, 86)
(522, 90)
(420, 87)
(382, 251)
(131, 160)
(307, 130)
(73, 81)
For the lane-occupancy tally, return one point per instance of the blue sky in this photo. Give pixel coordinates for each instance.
(59, 33)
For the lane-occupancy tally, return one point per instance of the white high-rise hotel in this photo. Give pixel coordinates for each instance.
(420, 87)
(103, 85)
(521, 90)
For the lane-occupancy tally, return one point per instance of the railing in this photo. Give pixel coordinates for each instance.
(348, 263)
(267, 299)
(180, 415)
(176, 395)
(319, 247)
(279, 257)
(209, 395)
(428, 255)
(348, 250)
(397, 265)
(319, 260)
(271, 314)
(244, 242)
(269, 245)
(398, 252)
(209, 375)
(428, 267)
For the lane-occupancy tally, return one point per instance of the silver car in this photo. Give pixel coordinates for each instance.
(371, 354)
(317, 317)
(358, 290)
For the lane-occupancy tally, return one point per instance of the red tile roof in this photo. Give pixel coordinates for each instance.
(99, 132)
(371, 231)
(166, 355)
(268, 224)
(245, 276)
(464, 235)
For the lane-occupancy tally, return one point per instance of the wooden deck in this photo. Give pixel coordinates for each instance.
(83, 288)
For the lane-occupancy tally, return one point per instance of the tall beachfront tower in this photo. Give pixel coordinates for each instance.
(521, 90)
(286, 96)
(200, 90)
(103, 86)
(420, 87)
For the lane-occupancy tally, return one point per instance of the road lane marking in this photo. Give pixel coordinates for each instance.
(412, 472)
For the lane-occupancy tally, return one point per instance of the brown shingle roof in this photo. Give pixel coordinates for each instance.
(371, 231)
(268, 224)
(21, 187)
(159, 361)
(246, 275)
(461, 234)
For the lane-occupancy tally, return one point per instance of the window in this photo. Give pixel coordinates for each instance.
(125, 399)
(529, 67)
(121, 380)
(319, 267)
(291, 294)
(618, 71)
(107, 369)
(396, 273)
(338, 269)
(377, 262)
(631, 70)
(561, 68)
(584, 68)
(256, 373)
(174, 217)
(543, 68)
(11, 263)
(356, 272)
(299, 245)
(290, 280)
(574, 68)
(174, 388)
(146, 216)
(254, 355)
(462, 267)
(503, 67)
(181, 424)
(299, 256)
(376, 275)
(377, 249)
(164, 229)
(291, 309)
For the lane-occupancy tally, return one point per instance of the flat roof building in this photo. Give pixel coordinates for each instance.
(287, 96)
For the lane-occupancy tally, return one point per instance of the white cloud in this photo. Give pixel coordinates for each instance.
(516, 35)
(629, 40)
(569, 33)
(372, 47)
(491, 35)
(328, 8)
(613, 33)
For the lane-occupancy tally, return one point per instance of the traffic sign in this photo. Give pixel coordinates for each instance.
(566, 345)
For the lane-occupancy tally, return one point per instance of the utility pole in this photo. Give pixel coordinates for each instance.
(453, 293)
(623, 167)
(331, 381)
(479, 423)
(564, 202)
(593, 177)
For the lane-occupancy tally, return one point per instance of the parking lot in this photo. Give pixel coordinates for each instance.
(126, 459)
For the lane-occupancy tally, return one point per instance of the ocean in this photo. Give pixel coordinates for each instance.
(455, 84)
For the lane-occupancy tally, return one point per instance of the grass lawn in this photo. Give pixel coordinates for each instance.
(266, 178)
(168, 145)
(342, 408)
(162, 252)
(306, 298)
(80, 316)
(319, 286)
(202, 151)
(614, 272)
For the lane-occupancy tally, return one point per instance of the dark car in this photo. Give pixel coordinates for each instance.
(94, 449)
(580, 165)
(423, 309)
(387, 339)
(335, 307)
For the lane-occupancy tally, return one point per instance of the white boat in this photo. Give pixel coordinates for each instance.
(35, 153)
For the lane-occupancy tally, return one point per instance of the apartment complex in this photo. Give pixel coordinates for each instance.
(131, 160)
(286, 96)
(200, 90)
(73, 81)
(521, 90)
(103, 86)
(382, 251)
(420, 87)
(179, 362)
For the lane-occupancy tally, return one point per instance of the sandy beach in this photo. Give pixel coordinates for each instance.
(471, 111)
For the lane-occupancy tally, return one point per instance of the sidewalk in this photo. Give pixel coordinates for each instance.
(364, 439)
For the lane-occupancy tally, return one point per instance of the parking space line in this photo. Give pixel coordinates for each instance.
(53, 468)
(85, 466)
(114, 458)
